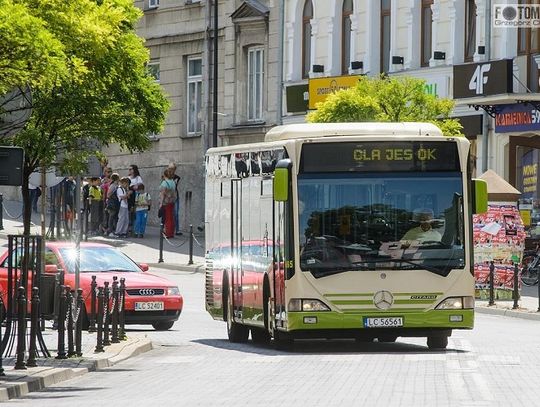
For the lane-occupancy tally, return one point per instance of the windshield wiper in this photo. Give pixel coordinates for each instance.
(120, 270)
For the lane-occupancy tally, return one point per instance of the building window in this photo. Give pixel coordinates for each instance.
(153, 69)
(307, 15)
(153, 3)
(385, 35)
(255, 83)
(346, 36)
(427, 23)
(529, 45)
(194, 95)
(470, 30)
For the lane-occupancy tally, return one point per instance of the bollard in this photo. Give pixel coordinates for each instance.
(79, 323)
(21, 328)
(190, 244)
(114, 319)
(34, 326)
(70, 324)
(100, 301)
(92, 316)
(161, 230)
(1, 212)
(515, 293)
(106, 339)
(62, 324)
(122, 317)
(491, 283)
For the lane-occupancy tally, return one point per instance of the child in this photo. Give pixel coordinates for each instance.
(94, 201)
(142, 206)
(123, 215)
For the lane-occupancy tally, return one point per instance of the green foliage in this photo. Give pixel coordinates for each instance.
(98, 93)
(395, 99)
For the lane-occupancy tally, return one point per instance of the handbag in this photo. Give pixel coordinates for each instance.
(160, 212)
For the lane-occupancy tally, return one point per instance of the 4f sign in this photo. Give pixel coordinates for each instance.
(479, 78)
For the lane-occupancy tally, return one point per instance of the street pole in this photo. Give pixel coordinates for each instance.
(78, 228)
(43, 226)
(215, 79)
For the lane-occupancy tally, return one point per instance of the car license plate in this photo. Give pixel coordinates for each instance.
(383, 322)
(149, 306)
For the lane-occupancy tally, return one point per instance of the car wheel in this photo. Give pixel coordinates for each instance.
(260, 335)
(387, 338)
(163, 326)
(437, 342)
(236, 332)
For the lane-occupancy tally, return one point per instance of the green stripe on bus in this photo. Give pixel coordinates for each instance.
(414, 301)
(418, 294)
(353, 302)
(369, 310)
(349, 295)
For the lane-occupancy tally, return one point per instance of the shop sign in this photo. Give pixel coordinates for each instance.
(320, 88)
(529, 175)
(437, 86)
(519, 117)
(483, 79)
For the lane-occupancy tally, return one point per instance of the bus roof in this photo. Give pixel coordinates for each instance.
(311, 130)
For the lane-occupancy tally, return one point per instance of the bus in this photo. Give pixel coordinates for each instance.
(342, 230)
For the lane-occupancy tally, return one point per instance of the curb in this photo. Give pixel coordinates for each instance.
(530, 315)
(19, 383)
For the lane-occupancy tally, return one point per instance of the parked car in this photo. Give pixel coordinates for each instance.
(150, 299)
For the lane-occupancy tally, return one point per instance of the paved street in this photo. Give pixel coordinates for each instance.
(194, 365)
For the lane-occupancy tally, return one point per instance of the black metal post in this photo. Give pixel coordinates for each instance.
(34, 326)
(1, 212)
(122, 317)
(92, 316)
(21, 328)
(70, 324)
(515, 293)
(86, 213)
(115, 303)
(161, 227)
(190, 244)
(62, 324)
(79, 323)
(491, 284)
(100, 298)
(106, 340)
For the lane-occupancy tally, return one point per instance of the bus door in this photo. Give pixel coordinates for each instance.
(279, 264)
(236, 246)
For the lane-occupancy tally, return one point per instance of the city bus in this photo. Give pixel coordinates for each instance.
(342, 230)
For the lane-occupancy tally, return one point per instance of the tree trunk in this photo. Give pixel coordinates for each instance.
(27, 205)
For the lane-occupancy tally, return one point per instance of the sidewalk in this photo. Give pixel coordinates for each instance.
(17, 383)
(527, 308)
(145, 250)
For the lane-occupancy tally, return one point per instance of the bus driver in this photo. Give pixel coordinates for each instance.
(422, 233)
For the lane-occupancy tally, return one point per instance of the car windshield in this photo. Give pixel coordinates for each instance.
(383, 220)
(98, 259)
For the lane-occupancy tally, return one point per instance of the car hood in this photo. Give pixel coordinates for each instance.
(133, 279)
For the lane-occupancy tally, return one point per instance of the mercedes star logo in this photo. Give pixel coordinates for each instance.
(147, 291)
(383, 299)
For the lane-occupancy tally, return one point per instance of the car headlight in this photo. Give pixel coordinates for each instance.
(456, 303)
(307, 305)
(173, 291)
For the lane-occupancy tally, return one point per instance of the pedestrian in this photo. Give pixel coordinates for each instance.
(135, 180)
(95, 200)
(112, 204)
(176, 179)
(105, 183)
(70, 187)
(166, 203)
(35, 193)
(143, 202)
(122, 192)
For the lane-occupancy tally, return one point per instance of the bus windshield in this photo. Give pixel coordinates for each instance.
(380, 220)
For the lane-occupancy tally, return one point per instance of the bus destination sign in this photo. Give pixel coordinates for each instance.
(380, 156)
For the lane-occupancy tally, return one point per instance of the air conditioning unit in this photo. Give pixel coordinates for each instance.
(153, 3)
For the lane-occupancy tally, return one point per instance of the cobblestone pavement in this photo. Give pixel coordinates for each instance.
(496, 364)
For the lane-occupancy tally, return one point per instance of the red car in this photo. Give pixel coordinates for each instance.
(150, 299)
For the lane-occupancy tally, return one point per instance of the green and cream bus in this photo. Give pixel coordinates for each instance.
(349, 230)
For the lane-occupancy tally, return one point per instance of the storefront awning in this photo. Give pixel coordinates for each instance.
(490, 103)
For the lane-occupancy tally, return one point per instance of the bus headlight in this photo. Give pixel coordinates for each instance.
(456, 303)
(306, 305)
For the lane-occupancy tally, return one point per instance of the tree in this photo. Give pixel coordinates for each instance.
(387, 99)
(107, 95)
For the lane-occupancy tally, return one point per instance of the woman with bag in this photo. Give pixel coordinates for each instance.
(167, 197)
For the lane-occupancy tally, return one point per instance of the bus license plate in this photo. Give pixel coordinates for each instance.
(383, 322)
(149, 306)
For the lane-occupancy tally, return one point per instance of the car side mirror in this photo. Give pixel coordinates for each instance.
(51, 268)
(144, 266)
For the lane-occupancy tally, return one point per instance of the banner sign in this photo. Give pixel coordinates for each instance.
(519, 117)
(483, 79)
(320, 88)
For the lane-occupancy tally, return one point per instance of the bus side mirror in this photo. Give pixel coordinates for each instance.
(281, 180)
(480, 196)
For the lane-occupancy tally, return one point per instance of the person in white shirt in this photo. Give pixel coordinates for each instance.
(123, 215)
